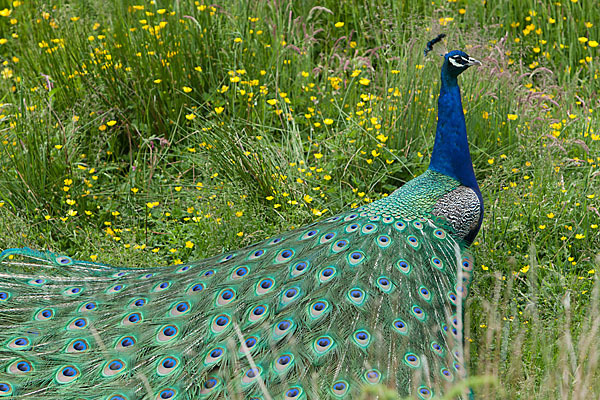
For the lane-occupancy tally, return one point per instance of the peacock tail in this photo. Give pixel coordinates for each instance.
(369, 296)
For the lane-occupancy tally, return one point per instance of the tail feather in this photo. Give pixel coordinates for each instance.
(318, 312)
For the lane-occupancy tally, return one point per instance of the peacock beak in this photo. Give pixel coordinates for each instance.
(471, 61)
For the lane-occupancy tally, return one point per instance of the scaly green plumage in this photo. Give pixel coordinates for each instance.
(417, 197)
(370, 296)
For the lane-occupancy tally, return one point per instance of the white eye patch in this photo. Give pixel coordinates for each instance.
(460, 62)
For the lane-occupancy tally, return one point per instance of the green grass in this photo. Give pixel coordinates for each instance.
(108, 155)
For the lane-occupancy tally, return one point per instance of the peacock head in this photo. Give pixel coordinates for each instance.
(456, 62)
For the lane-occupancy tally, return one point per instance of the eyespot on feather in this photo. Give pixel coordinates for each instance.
(283, 328)
(255, 254)
(340, 388)
(284, 256)
(209, 386)
(220, 323)
(258, 313)
(88, 306)
(294, 393)
(20, 343)
(125, 343)
(67, 374)
(180, 308)
(400, 326)
(249, 345)
(355, 258)
(159, 287)
(167, 333)
(167, 365)
(326, 238)
(63, 260)
(166, 394)
(362, 338)
(214, 355)
(289, 295)
(356, 296)
(77, 346)
(137, 303)
(327, 274)
(299, 268)
(20, 367)
(283, 363)
(317, 309)
(225, 297)
(132, 319)
(264, 286)
(73, 291)
(424, 393)
(77, 323)
(196, 288)
(6, 389)
(412, 360)
(251, 376)
(372, 376)
(113, 368)
(44, 314)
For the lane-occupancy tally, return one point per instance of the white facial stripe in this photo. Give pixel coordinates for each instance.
(455, 62)
(461, 62)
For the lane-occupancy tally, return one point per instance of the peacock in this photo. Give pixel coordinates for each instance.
(370, 296)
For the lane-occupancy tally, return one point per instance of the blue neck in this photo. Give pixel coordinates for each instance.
(451, 150)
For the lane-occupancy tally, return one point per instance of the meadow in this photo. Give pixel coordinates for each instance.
(139, 132)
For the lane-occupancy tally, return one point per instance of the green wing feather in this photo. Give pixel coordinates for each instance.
(318, 312)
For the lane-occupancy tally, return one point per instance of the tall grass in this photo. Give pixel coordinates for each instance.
(154, 133)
